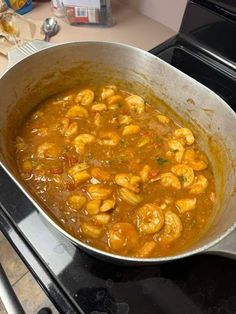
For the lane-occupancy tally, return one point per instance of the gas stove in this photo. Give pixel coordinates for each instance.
(204, 49)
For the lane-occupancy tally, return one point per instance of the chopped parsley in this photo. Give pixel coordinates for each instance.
(161, 161)
(182, 179)
(88, 157)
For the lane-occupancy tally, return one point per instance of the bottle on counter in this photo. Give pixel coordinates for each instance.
(58, 8)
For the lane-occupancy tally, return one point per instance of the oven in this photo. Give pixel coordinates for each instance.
(205, 49)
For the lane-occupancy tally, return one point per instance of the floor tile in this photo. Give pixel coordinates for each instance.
(2, 309)
(1, 236)
(31, 295)
(11, 263)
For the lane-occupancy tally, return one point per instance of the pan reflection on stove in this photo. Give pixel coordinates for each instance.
(151, 295)
(100, 301)
(120, 289)
(47, 242)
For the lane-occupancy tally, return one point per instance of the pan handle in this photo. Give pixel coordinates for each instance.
(17, 54)
(226, 247)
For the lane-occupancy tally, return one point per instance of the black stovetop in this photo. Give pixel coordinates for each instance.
(76, 282)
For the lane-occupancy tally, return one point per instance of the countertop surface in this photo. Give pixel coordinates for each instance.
(130, 28)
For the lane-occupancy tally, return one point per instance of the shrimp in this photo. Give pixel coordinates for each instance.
(97, 205)
(99, 192)
(81, 177)
(77, 168)
(177, 148)
(131, 129)
(93, 207)
(168, 179)
(85, 97)
(99, 107)
(135, 103)
(114, 99)
(124, 119)
(109, 138)
(114, 106)
(48, 150)
(186, 204)
(100, 174)
(150, 219)
(143, 141)
(102, 219)
(108, 92)
(130, 197)
(185, 174)
(128, 181)
(81, 140)
(146, 249)
(98, 120)
(90, 230)
(63, 125)
(195, 159)
(144, 173)
(79, 173)
(77, 201)
(122, 237)
(199, 186)
(172, 228)
(42, 132)
(77, 112)
(107, 205)
(72, 129)
(185, 134)
(163, 119)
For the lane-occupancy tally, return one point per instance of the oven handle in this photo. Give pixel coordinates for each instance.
(8, 296)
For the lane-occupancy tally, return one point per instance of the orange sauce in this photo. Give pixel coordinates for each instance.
(116, 173)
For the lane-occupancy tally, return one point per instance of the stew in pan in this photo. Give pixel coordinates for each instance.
(116, 173)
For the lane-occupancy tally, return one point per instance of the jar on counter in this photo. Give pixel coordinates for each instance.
(58, 8)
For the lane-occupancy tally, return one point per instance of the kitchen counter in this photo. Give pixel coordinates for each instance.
(130, 28)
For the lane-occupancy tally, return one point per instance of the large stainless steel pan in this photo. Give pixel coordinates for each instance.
(38, 70)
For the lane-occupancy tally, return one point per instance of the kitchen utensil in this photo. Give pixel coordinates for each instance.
(50, 27)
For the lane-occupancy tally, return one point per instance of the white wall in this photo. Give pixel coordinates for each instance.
(167, 12)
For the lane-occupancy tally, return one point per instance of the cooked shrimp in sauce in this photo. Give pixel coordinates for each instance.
(116, 173)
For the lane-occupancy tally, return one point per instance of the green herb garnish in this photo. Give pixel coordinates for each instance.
(182, 179)
(161, 161)
(88, 157)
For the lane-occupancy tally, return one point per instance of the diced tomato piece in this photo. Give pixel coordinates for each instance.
(56, 170)
(72, 160)
(70, 186)
(153, 174)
